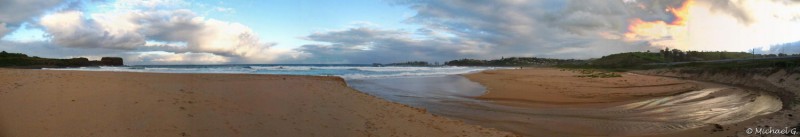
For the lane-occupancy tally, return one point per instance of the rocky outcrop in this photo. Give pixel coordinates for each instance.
(111, 61)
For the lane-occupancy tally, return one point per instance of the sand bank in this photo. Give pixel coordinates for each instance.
(554, 102)
(562, 86)
(76, 103)
(783, 83)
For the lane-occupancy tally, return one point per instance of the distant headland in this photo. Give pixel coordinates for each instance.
(19, 60)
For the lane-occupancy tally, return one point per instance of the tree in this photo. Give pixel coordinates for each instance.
(665, 53)
(675, 54)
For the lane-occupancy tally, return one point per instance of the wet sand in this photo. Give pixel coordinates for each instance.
(558, 86)
(554, 102)
(76, 103)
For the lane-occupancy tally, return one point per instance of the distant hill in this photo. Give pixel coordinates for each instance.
(513, 61)
(19, 60)
(627, 59)
(410, 63)
(630, 60)
(633, 59)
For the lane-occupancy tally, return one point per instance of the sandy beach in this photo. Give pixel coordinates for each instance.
(647, 105)
(79, 103)
(559, 86)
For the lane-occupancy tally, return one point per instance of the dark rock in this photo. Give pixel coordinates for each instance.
(111, 61)
(717, 127)
(78, 62)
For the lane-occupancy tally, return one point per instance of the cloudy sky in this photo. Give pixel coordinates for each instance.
(375, 31)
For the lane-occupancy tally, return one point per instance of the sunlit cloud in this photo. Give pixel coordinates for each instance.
(702, 25)
(660, 32)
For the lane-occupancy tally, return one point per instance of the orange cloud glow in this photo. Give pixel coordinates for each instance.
(660, 32)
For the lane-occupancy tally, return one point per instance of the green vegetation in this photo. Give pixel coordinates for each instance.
(601, 75)
(617, 62)
(676, 55)
(667, 58)
(636, 59)
(747, 64)
(19, 60)
(593, 73)
(627, 60)
(513, 61)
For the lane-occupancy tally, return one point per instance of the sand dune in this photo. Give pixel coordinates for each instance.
(75, 103)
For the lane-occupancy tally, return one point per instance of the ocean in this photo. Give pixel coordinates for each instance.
(346, 71)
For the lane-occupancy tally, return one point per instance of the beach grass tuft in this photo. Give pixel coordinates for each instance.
(593, 73)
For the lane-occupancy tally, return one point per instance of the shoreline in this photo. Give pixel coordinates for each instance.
(83, 103)
(549, 88)
(615, 93)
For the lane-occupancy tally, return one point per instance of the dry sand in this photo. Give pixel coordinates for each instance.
(75, 103)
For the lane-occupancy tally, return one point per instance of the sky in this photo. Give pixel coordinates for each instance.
(386, 31)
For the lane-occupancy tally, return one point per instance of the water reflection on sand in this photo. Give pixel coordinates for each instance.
(452, 96)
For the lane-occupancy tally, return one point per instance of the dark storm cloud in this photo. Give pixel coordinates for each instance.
(492, 29)
(538, 28)
(370, 45)
(733, 8)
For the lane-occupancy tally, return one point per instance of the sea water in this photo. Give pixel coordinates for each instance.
(346, 71)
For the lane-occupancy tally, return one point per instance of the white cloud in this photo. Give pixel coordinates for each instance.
(224, 10)
(160, 57)
(71, 29)
(132, 29)
(786, 48)
(148, 4)
(15, 12)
